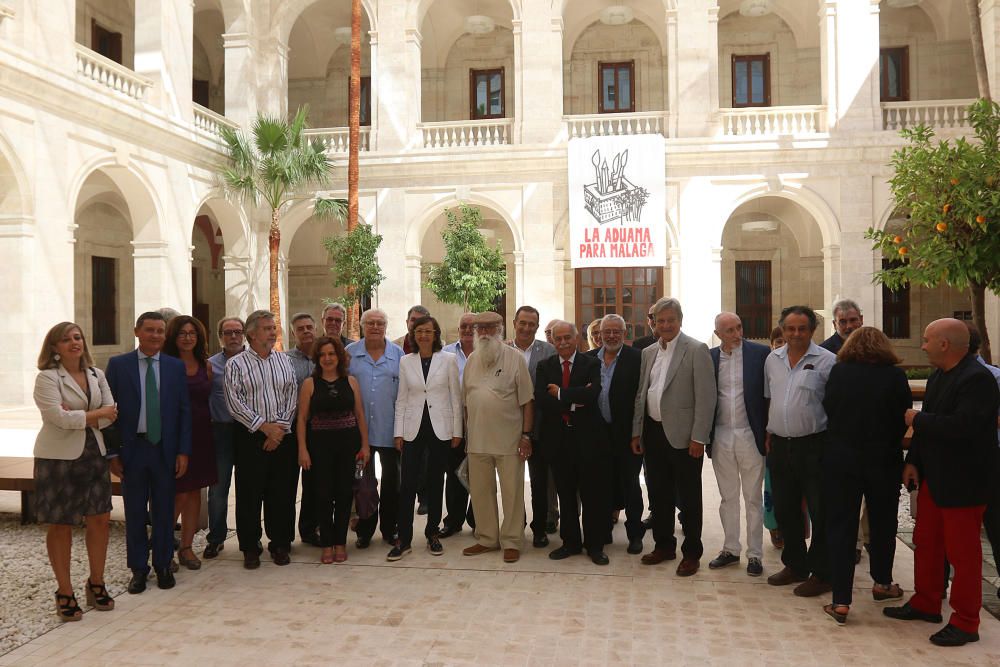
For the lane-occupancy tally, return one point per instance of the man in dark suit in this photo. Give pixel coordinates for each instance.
(846, 318)
(737, 449)
(619, 383)
(566, 388)
(644, 342)
(154, 419)
(954, 436)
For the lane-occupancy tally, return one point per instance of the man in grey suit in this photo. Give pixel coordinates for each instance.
(544, 508)
(674, 410)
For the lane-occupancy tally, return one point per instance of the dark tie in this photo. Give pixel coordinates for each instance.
(152, 404)
(565, 384)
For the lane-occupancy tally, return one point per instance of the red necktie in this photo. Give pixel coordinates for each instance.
(565, 384)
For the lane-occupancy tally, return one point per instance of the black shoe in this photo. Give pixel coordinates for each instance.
(137, 584)
(754, 567)
(212, 550)
(311, 537)
(448, 531)
(434, 546)
(540, 540)
(550, 527)
(280, 556)
(647, 523)
(722, 560)
(598, 557)
(363, 542)
(908, 613)
(251, 559)
(397, 553)
(422, 509)
(165, 578)
(564, 552)
(634, 546)
(949, 635)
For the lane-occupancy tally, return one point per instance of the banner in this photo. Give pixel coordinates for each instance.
(617, 201)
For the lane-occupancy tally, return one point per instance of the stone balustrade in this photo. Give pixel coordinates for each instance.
(210, 122)
(773, 121)
(105, 72)
(337, 139)
(467, 133)
(616, 124)
(939, 114)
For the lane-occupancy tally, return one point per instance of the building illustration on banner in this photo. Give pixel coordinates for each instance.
(612, 196)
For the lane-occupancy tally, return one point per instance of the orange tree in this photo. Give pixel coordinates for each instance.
(951, 194)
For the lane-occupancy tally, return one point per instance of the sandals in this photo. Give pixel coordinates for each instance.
(327, 557)
(68, 610)
(191, 563)
(882, 593)
(98, 598)
(837, 612)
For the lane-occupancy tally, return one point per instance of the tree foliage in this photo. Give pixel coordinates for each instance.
(355, 262)
(472, 274)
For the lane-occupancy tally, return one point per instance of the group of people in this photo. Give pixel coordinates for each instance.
(822, 426)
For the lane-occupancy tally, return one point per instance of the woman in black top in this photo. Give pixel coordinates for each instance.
(866, 398)
(332, 436)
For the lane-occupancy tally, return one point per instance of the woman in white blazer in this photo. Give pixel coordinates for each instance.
(428, 422)
(71, 467)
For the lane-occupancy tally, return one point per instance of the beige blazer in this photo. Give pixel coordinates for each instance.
(442, 393)
(64, 405)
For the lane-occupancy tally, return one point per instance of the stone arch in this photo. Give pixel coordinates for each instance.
(417, 11)
(144, 207)
(800, 23)
(800, 194)
(290, 12)
(422, 221)
(231, 220)
(580, 24)
(14, 189)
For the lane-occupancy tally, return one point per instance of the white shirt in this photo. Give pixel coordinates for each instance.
(731, 412)
(796, 394)
(456, 349)
(657, 378)
(526, 352)
(571, 360)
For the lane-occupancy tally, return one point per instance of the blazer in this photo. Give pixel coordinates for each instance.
(955, 435)
(584, 388)
(175, 404)
(754, 355)
(441, 392)
(687, 404)
(64, 430)
(865, 405)
(621, 394)
(540, 350)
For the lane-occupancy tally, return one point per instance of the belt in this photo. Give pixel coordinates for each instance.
(799, 438)
(141, 435)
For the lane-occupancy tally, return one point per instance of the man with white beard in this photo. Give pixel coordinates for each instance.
(498, 396)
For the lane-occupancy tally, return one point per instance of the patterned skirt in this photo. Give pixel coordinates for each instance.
(67, 491)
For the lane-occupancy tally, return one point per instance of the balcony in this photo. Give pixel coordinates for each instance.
(94, 67)
(467, 133)
(616, 124)
(337, 139)
(209, 122)
(938, 114)
(773, 121)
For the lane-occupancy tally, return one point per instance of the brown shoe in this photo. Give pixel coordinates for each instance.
(777, 539)
(687, 567)
(657, 556)
(476, 549)
(785, 577)
(812, 587)
(511, 555)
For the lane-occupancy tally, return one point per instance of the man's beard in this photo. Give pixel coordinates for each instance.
(613, 348)
(487, 349)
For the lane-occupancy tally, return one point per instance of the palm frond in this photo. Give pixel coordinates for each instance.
(270, 134)
(298, 126)
(334, 209)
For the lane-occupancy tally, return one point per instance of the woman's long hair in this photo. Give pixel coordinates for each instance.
(200, 350)
(868, 345)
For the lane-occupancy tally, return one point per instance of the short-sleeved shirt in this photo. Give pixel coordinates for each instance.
(797, 393)
(493, 400)
(379, 384)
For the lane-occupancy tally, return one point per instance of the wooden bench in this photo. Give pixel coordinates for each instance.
(17, 473)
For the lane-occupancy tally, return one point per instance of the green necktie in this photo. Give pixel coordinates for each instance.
(152, 404)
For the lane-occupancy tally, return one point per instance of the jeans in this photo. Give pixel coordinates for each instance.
(224, 435)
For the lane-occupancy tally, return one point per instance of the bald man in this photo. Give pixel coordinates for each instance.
(954, 436)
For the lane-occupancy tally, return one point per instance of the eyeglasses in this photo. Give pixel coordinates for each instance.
(375, 324)
(232, 332)
(334, 319)
(606, 333)
(548, 332)
(467, 327)
(650, 316)
(486, 327)
(187, 334)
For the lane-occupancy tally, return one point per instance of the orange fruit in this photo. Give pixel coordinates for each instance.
(903, 250)
(980, 219)
(946, 208)
(941, 226)
(954, 181)
(897, 239)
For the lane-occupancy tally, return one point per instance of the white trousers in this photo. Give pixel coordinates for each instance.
(738, 465)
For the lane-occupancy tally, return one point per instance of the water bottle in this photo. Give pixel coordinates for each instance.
(359, 469)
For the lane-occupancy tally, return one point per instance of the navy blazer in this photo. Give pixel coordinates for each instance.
(175, 404)
(621, 395)
(754, 355)
(584, 388)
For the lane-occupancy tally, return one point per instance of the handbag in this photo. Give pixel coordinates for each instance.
(366, 492)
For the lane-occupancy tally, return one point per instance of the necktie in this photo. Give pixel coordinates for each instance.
(152, 404)
(565, 384)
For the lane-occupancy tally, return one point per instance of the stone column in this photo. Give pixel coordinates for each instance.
(151, 262)
(693, 65)
(18, 245)
(164, 53)
(989, 14)
(538, 68)
(849, 55)
(396, 84)
(239, 297)
(241, 102)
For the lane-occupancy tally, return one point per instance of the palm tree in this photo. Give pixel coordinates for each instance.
(978, 51)
(354, 138)
(277, 164)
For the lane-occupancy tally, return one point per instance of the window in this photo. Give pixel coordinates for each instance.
(752, 81)
(895, 307)
(627, 292)
(753, 297)
(365, 111)
(199, 92)
(104, 298)
(615, 83)
(965, 315)
(105, 42)
(894, 74)
(486, 93)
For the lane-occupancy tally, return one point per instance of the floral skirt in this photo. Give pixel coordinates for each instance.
(67, 491)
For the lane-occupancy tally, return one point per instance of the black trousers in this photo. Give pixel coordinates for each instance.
(269, 479)
(991, 519)
(308, 520)
(850, 473)
(332, 475)
(585, 474)
(674, 480)
(455, 494)
(797, 473)
(388, 501)
(539, 465)
(423, 462)
(628, 492)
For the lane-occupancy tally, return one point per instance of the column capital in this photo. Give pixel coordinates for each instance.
(413, 36)
(235, 39)
(149, 249)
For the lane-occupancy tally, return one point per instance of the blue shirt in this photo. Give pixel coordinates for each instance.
(797, 393)
(217, 406)
(141, 426)
(607, 372)
(379, 384)
(460, 358)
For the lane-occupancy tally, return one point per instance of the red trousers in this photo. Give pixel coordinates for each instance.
(951, 532)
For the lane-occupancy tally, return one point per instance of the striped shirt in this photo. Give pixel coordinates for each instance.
(260, 390)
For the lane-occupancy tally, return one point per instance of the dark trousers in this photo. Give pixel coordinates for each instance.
(539, 467)
(850, 473)
(148, 482)
(308, 518)
(455, 494)
(587, 475)
(991, 519)
(224, 436)
(333, 454)
(797, 473)
(628, 492)
(388, 502)
(423, 462)
(673, 478)
(269, 479)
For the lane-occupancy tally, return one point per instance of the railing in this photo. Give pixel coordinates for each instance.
(616, 124)
(940, 114)
(337, 139)
(764, 121)
(210, 122)
(105, 72)
(464, 133)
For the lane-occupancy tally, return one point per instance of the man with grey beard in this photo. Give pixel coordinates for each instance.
(498, 396)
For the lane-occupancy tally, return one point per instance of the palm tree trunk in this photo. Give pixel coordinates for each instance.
(978, 292)
(354, 138)
(978, 51)
(273, 243)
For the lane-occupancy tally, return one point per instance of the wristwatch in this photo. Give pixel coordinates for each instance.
(526, 434)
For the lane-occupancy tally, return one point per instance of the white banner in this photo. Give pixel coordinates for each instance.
(617, 201)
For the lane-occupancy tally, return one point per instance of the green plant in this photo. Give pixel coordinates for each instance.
(355, 262)
(472, 274)
(919, 372)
